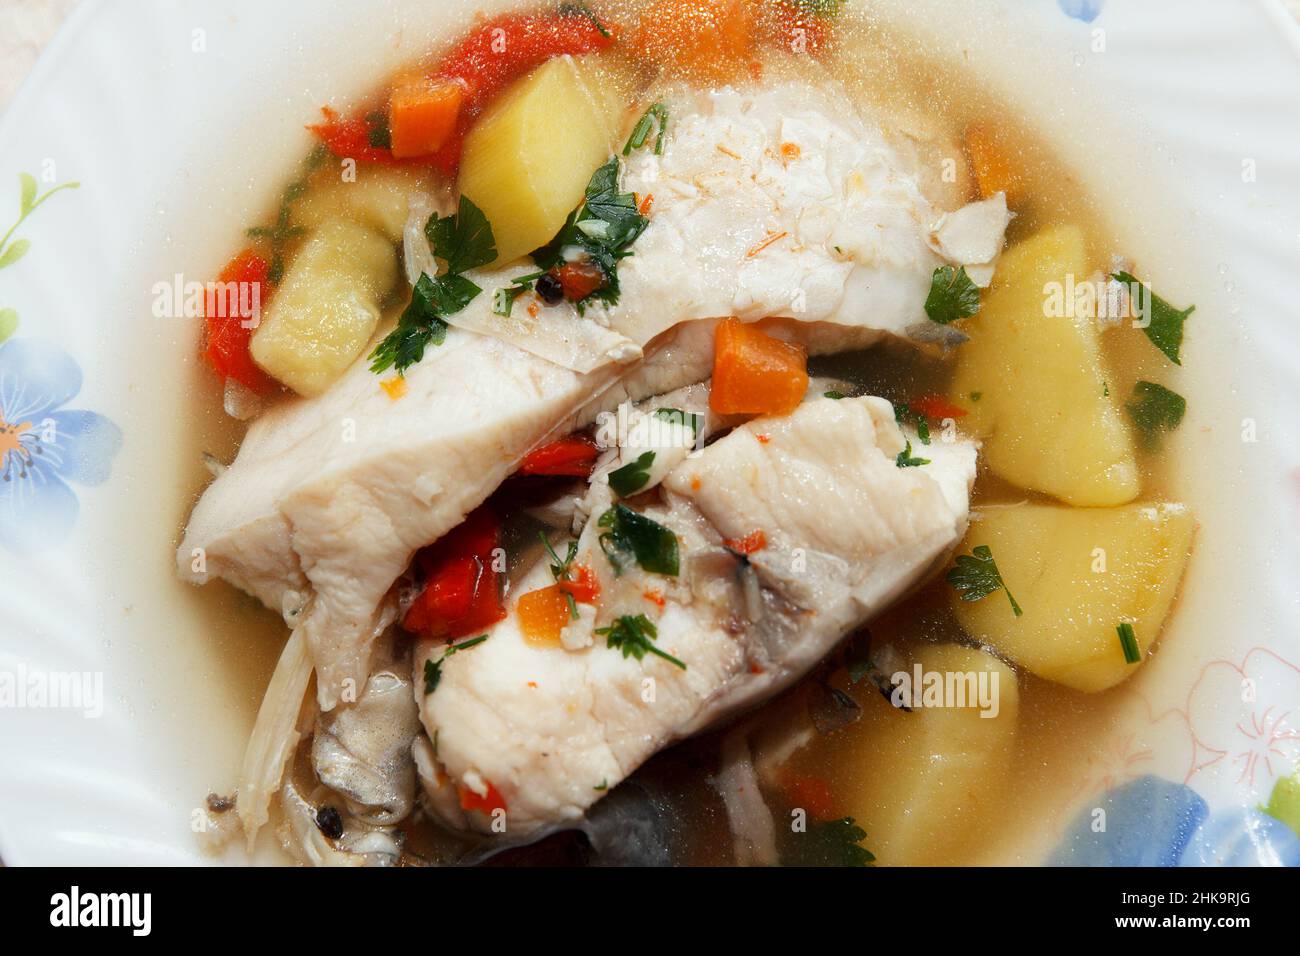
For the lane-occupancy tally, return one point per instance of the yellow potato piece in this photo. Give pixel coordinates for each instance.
(323, 314)
(528, 159)
(925, 785)
(1077, 573)
(1048, 420)
(378, 199)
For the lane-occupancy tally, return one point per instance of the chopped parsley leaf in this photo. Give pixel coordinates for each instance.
(582, 10)
(976, 576)
(284, 230)
(833, 394)
(632, 477)
(675, 416)
(903, 413)
(657, 112)
(1129, 642)
(905, 459)
(379, 135)
(1155, 409)
(503, 300)
(464, 241)
(634, 636)
(433, 669)
(952, 295)
(652, 545)
(603, 227)
(1165, 330)
(830, 843)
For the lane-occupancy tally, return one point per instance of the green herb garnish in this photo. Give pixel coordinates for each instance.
(379, 136)
(603, 227)
(1155, 409)
(833, 394)
(903, 413)
(433, 669)
(675, 416)
(658, 112)
(952, 295)
(632, 477)
(562, 570)
(582, 10)
(282, 231)
(1165, 330)
(830, 843)
(976, 576)
(629, 532)
(634, 636)
(1129, 642)
(905, 459)
(503, 300)
(464, 241)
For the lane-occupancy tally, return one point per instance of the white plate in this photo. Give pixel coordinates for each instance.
(181, 120)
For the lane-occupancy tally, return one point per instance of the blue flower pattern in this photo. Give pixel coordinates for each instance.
(44, 446)
(1153, 822)
(1085, 10)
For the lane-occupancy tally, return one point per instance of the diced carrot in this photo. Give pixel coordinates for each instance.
(394, 387)
(705, 39)
(754, 373)
(937, 408)
(585, 586)
(751, 543)
(488, 803)
(242, 282)
(542, 615)
(990, 158)
(422, 115)
(574, 456)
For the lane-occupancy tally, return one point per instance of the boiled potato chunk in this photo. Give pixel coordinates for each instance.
(1048, 420)
(1078, 573)
(378, 199)
(528, 159)
(325, 311)
(925, 785)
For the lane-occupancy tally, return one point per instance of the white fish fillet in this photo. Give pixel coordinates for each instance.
(848, 532)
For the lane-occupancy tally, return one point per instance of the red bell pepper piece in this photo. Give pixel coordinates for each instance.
(462, 594)
(242, 282)
(487, 803)
(584, 586)
(574, 456)
(937, 408)
(350, 138)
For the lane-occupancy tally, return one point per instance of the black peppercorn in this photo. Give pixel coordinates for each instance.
(550, 289)
(329, 822)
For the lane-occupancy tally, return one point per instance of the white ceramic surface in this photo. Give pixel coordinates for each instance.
(180, 121)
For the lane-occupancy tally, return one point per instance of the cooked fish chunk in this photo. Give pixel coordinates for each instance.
(543, 731)
(780, 200)
(330, 497)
